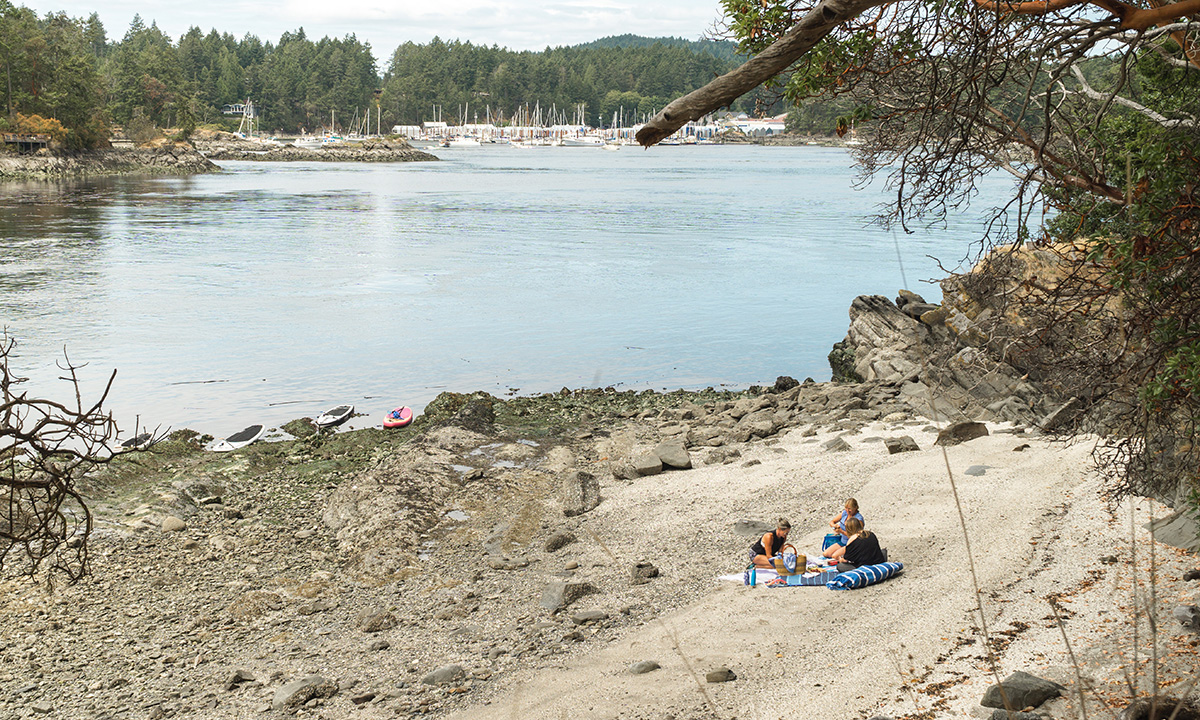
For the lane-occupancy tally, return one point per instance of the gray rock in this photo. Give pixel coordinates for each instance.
(1178, 529)
(376, 620)
(1062, 415)
(237, 677)
(1188, 616)
(673, 454)
(559, 595)
(379, 645)
(1192, 575)
(478, 415)
(589, 616)
(43, 707)
(298, 692)
(1001, 714)
(961, 432)
(783, 383)
(580, 493)
(641, 573)
(173, 524)
(1022, 690)
(643, 667)
(445, 675)
(560, 540)
(916, 310)
(977, 470)
(900, 444)
(720, 675)
(362, 698)
(836, 445)
(1160, 708)
(647, 464)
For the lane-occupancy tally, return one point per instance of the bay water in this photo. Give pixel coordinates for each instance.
(272, 291)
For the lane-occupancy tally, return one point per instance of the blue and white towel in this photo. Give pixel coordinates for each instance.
(864, 576)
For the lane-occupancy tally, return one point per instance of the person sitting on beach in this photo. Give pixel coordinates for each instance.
(862, 549)
(838, 525)
(770, 544)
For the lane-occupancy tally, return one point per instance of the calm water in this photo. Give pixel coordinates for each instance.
(272, 291)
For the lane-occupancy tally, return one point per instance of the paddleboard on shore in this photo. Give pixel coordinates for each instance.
(334, 416)
(240, 439)
(398, 418)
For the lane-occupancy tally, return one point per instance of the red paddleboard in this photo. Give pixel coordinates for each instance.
(399, 417)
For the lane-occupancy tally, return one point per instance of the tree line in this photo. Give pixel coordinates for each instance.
(64, 77)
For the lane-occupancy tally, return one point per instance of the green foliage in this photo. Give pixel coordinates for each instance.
(635, 79)
(50, 70)
(720, 49)
(140, 128)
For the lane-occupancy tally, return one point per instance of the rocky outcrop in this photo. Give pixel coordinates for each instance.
(165, 158)
(367, 151)
(939, 358)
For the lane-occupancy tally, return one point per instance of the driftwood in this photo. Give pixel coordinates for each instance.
(812, 28)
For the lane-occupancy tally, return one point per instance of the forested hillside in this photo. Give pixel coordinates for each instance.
(67, 78)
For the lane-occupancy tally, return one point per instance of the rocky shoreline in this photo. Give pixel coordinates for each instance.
(161, 159)
(446, 568)
(367, 151)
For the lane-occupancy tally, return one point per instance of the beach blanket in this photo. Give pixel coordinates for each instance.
(865, 575)
(819, 578)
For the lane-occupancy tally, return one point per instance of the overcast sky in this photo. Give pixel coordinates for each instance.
(515, 24)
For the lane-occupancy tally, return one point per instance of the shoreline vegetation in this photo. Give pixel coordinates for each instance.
(165, 157)
(533, 556)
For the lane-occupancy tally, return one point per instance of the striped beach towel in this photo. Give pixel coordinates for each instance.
(864, 576)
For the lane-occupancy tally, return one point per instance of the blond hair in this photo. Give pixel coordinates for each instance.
(852, 503)
(854, 526)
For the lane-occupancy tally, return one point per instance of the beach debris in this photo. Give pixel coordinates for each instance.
(1022, 690)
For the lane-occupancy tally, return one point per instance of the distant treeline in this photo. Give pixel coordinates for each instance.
(76, 82)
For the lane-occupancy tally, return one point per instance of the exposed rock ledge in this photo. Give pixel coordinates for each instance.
(164, 159)
(369, 151)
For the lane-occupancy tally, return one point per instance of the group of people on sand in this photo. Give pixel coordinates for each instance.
(854, 546)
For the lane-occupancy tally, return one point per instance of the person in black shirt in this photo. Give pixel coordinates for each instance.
(862, 549)
(770, 544)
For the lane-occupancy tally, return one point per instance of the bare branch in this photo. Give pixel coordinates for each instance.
(1126, 102)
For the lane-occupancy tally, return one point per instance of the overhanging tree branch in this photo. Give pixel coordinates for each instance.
(818, 22)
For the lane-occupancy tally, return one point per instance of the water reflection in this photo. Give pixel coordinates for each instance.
(302, 286)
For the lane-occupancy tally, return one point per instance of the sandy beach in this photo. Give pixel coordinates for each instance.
(1038, 529)
(374, 560)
